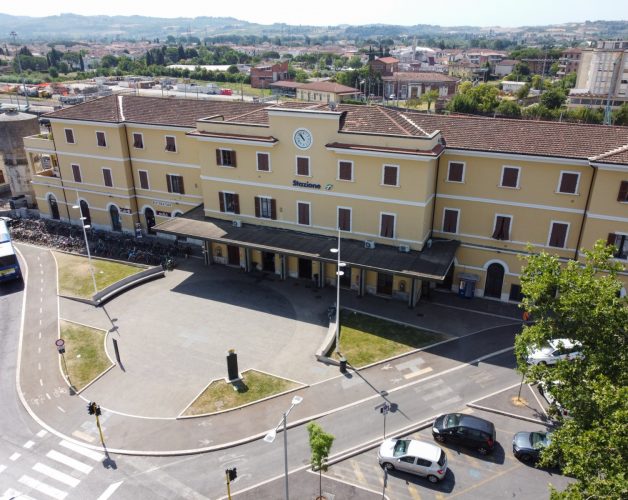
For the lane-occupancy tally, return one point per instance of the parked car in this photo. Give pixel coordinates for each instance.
(415, 457)
(527, 446)
(556, 350)
(545, 389)
(467, 430)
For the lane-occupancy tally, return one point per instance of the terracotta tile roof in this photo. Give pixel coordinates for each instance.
(244, 137)
(329, 87)
(618, 156)
(388, 60)
(423, 76)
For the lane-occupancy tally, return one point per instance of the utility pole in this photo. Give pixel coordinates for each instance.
(13, 35)
(231, 474)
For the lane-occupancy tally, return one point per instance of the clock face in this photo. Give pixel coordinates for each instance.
(302, 138)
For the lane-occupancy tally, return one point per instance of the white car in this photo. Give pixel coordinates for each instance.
(545, 389)
(556, 350)
(415, 457)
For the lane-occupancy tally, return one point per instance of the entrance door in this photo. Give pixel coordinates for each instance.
(233, 255)
(305, 269)
(85, 213)
(384, 283)
(116, 225)
(149, 215)
(345, 279)
(54, 208)
(494, 281)
(268, 262)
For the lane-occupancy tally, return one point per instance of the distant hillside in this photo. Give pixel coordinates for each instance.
(94, 28)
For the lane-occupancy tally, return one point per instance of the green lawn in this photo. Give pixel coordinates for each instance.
(85, 356)
(220, 395)
(75, 278)
(366, 339)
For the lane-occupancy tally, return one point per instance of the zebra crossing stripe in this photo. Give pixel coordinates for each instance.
(11, 494)
(71, 462)
(2, 468)
(109, 491)
(56, 475)
(42, 487)
(94, 455)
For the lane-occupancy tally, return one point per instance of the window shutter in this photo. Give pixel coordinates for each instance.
(218, 157)
(221, 198)
(262, 162)
(181, 185)
(345, 171)
(623, 191)
(505, 228)
(303, 166)
(502, 228)
(169, 182)
(234, 163)
(612, 237)
(143, 179)
(273, 209)
(257, 207)
(236, 203)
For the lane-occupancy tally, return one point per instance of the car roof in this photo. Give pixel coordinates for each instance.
(476, 423)
(567, 343)
(425, 450)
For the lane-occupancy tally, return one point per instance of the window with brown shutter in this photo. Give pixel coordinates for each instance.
(69, 136)
(76, 173)
(171, 144)
(236, 203)
(263, 162)
(387, 226)
(106, 174)
(226, 157)
(303, 210)
(623, 192)
(273, 209)
(303, 165)
(568, 182)
(221, 200)
(138, 141)
(450, 221)
(229, 202)
(175, 184)
(344, 219)
(101, 140)
(558, 235)
(257, 206)
(391, 175)
(143, 179)
(510, 177)
(345, 171)
(620, 241)
(502, 228)
(456, 172)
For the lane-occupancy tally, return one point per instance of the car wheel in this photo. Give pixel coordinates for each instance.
(483, 450)
(439, 438)
(388, 466)
(432, 479)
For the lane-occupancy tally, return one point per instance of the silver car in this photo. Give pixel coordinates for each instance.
(414, 457)
(556, 350)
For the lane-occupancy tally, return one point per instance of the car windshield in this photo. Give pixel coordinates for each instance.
(539, 439)
(452, 420)
(401, 447)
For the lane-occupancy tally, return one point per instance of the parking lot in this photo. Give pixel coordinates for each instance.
(469, 475)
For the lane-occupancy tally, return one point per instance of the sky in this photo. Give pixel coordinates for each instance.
(333, 12)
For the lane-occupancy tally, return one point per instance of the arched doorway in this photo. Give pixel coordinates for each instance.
(494, 281)
(149, 215)
(116, 225)
(54, 208)
(85, 213)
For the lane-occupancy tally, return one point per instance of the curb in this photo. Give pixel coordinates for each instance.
(511, 415)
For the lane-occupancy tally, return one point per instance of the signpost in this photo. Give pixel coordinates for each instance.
(384, 408)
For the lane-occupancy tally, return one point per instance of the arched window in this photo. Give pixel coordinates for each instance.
(116, 225)
(149, 215)
(85, 213)
(494, 281)
(54, 208)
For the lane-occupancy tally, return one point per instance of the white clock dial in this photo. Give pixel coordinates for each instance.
(302, 138)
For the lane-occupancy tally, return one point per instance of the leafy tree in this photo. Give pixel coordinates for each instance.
(537, 82)
(233, 69)
(586, 115)
(320, 445)
(109, 61)
(355, 62)
(553, 98)
(463, 103)
(620, 115)
(581, 301)
(429, 97)
(53, 72)
(24, 51)
(523, 92)
(301, 76)
(537, 112)
(509, 109)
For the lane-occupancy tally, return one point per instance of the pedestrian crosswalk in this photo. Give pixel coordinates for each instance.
(56, 474)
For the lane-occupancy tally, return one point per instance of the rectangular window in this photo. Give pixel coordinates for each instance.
(558, 234)
(568, 182)
(101, 140)
(226, 157)
(106, 174)
(263, 162)
(344, 219)
(265, 207)
(450, 220)
(502, 227)
(143, 179)
(138, 140)
(303, 213)
(171, 144)
(455, 172)
(229, 202)
(622, 196)
(76, 173)
(621, 245)
(387, 226)
(345, 170)
(69, 136)
(175, 184)
(390, 175)
(510, 177)
(1, 177)
(303, 166)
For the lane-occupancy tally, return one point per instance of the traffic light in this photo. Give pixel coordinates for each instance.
(231, 474)
(91, 408)
(98, 412)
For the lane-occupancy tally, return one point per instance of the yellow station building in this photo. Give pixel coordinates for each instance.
(420, 200)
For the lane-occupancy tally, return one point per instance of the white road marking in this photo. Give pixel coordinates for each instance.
(48, 396)
(84, 436)
(94, 455)
(437, 394)
(42, 272)
(39, 366)
(2, 468)
(442, 404)
(42, 433)
(42, 280)
(109, 491)
(39, 335)
(10, 494)
(42, 487)
(41, 382)
(41, 289)
(39, 348)
(71, 462)
(40, 322)
(56, 475)
(41, 310)
(60, 409)
(29, 444)
(41, 299)
(15, 456)
(417, 373)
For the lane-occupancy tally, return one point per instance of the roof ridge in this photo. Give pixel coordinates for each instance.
(610, 152)
(411, 122)
(385, 113)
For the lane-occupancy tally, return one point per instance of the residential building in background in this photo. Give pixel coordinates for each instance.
(263, 76)
(406, 85)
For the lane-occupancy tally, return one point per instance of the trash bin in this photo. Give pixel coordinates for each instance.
(466, 288)
(343, 364)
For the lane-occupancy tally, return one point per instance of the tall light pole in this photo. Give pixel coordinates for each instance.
(13, 35)
(85, 228)
(339, 273)
(270, 437)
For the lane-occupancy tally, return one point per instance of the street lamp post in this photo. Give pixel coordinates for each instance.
(270, 437)
(89, 255)
(339, 273)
